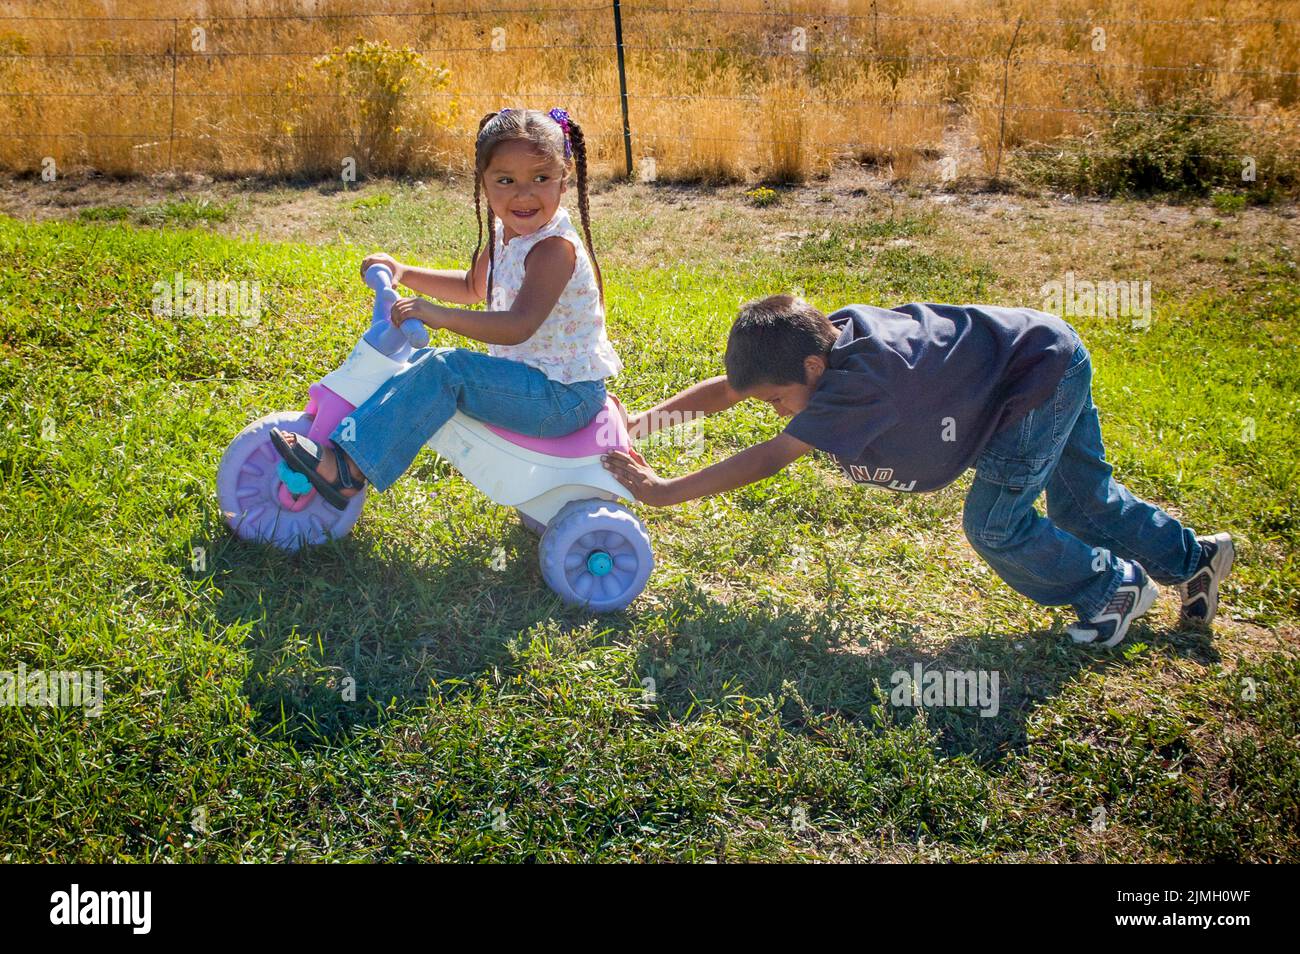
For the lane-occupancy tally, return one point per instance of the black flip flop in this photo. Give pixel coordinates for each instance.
(304, 457)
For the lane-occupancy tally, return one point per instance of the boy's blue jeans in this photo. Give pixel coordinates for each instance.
(1069, 556)
(385, 433)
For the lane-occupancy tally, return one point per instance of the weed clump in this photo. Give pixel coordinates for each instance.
(1192, 145)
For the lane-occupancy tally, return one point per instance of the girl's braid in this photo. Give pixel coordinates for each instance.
(478, 214)
(579, 143)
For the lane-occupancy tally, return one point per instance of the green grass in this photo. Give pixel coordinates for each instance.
(178, 212)
(492, 723)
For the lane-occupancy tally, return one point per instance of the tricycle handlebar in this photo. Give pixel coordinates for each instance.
(380, 278)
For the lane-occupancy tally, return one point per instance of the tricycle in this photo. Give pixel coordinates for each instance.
(594, 552)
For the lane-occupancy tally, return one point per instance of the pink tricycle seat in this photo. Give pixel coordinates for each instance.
(606, 432)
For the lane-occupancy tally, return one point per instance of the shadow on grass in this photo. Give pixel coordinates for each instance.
(711, 651)
(341, 634)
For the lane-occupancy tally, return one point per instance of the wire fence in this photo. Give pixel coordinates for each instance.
(193, 78)
(699, 9)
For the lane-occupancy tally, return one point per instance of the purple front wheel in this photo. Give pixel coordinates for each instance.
(252, 498)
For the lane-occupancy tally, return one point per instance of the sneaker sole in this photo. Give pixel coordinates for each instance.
(1220, 567)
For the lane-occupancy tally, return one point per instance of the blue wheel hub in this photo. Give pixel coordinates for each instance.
(599, 563)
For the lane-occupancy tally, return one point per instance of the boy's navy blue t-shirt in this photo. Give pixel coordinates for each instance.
(911, 395)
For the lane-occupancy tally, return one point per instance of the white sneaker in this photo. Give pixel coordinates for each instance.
(1133, 598)
(1200, 591)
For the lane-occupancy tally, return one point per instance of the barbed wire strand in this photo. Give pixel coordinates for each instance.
(954, 105)
(166, 56)
(420, 14)
(636, 9)
(940, 18)
(953, 58)
(160, 139)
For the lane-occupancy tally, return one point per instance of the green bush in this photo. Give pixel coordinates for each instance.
(378, 90)
(1189, 146)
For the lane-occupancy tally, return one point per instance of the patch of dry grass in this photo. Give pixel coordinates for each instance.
(749, 94)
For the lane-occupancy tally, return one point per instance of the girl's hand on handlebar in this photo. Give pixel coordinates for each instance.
(418, 308)
(392, 264)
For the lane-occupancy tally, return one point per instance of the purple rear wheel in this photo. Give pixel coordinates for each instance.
(249, 491)
(596, 554)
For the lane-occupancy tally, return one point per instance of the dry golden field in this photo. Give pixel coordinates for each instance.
(734, 90)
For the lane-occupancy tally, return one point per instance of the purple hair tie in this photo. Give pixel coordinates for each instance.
(562, 118)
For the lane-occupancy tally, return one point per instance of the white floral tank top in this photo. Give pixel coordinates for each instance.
(571, 344)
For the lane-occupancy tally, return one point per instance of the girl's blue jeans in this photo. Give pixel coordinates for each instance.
(1071, 555)
(385, 433)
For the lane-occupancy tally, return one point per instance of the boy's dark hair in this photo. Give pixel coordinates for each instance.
(771, 338)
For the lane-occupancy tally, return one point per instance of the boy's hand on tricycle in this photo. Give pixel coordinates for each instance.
(392, 264)
(630, 469)
(418, 308)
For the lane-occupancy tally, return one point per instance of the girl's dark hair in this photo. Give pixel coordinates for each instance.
(547, 137)
(770, 339)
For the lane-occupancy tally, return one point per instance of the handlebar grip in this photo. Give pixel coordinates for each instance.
(380, 278)
(416, 331)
